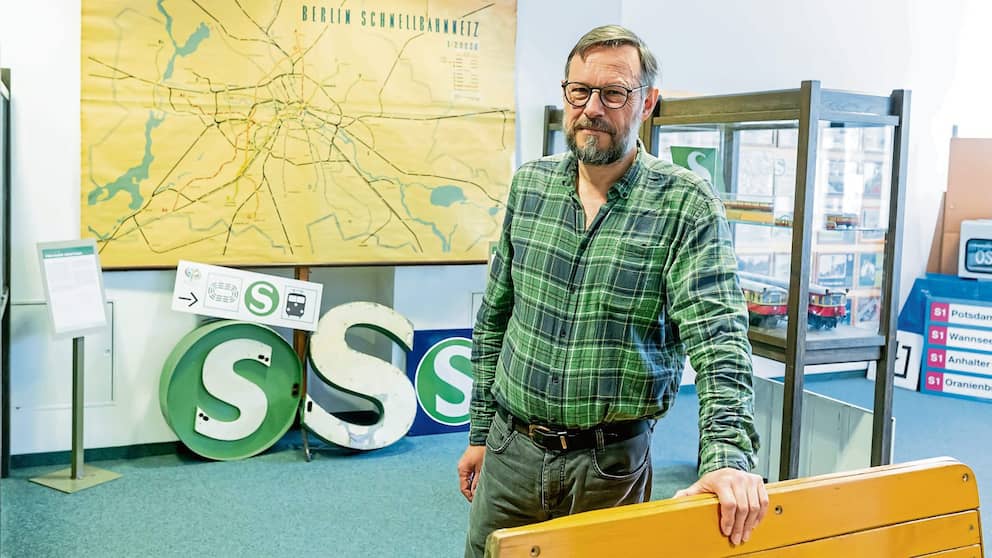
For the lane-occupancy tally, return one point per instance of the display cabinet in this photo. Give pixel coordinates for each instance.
(813, 182)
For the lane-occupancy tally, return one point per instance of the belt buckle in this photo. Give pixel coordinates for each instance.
(545, 432)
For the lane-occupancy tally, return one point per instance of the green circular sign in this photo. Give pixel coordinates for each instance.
(230, 389)
(262, 298)
(444, 381)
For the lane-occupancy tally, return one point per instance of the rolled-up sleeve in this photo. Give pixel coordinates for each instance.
(708, 308)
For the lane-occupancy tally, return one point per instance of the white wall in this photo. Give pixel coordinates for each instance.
(704, 46)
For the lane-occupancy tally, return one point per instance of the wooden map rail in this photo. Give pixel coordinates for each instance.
(923, 508)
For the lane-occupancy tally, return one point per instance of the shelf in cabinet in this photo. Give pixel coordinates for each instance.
(746, 249)
(841, 344)
(769, 221)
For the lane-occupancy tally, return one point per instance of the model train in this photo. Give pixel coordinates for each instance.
(837, 221)
(831, 221)
(767, 300)
(749, 205)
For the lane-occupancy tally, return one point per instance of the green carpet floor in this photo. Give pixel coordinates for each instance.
(401, 501)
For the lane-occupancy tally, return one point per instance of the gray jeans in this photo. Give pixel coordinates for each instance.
(522, 483)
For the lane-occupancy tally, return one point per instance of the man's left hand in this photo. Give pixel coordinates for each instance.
(743, 500)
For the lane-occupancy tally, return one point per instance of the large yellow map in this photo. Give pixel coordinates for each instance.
(269, 132)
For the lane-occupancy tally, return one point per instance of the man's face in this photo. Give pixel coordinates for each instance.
(596, 134)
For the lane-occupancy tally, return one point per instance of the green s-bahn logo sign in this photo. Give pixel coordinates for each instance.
(444, 381)
(262, 298)
(231, 389)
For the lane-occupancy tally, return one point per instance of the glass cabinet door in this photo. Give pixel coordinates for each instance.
(752, 166)
(850, 214)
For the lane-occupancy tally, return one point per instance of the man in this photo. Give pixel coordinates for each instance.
(611, 268)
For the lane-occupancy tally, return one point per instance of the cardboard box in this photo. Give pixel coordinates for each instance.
(933, 261)
(969, 196)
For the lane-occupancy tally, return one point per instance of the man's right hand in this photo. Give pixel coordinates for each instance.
(469, 467)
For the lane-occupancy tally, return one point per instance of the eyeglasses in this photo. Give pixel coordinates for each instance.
(612, 96)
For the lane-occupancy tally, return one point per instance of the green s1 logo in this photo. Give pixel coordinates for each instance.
(262, 298)
(444, 381)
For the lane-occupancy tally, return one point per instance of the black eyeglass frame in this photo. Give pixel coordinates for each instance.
(566, 83)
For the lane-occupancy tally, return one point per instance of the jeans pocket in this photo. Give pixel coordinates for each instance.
(622, 460)
(499, 436)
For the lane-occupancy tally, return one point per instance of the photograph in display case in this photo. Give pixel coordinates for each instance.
(871, 226)
(835, 270)
(870, 270)
(875, 138)
(835, 176)
(867, 311)
(873, 179)
(755, 263)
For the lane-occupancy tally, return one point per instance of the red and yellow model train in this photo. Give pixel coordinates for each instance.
(767, 300)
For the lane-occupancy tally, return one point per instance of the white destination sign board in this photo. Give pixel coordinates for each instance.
(73, 287)
(971, 386)
(234, 294)
(969, 314)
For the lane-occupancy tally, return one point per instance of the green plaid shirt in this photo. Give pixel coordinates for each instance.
(582, 326)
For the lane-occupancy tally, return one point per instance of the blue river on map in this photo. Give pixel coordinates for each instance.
(192, 43)
(131, 180)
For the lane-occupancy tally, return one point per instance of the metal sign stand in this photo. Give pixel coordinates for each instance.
(77, 477)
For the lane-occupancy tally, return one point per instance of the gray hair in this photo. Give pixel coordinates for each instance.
(614, 36)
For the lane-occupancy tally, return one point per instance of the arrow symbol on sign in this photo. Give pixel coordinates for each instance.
(193, 300)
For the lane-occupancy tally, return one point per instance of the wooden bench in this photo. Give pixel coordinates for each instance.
(923, 508)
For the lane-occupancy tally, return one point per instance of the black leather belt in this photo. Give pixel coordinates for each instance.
(554, 438)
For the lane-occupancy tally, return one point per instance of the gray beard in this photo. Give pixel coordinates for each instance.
(591, 154)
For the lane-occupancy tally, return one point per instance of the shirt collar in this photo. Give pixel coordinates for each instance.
(569, 167)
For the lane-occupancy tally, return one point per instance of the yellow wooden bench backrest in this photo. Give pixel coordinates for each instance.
(923, 508)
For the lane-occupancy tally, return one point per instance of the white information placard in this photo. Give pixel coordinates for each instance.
(73, 280)
(223, 292)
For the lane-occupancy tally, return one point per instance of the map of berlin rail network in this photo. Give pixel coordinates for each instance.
(269, 132)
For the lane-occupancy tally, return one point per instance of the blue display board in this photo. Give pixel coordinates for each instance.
(914, 312)
(958, 348)
(441, 373)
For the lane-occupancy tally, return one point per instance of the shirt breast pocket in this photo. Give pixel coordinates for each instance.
(635, 274)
